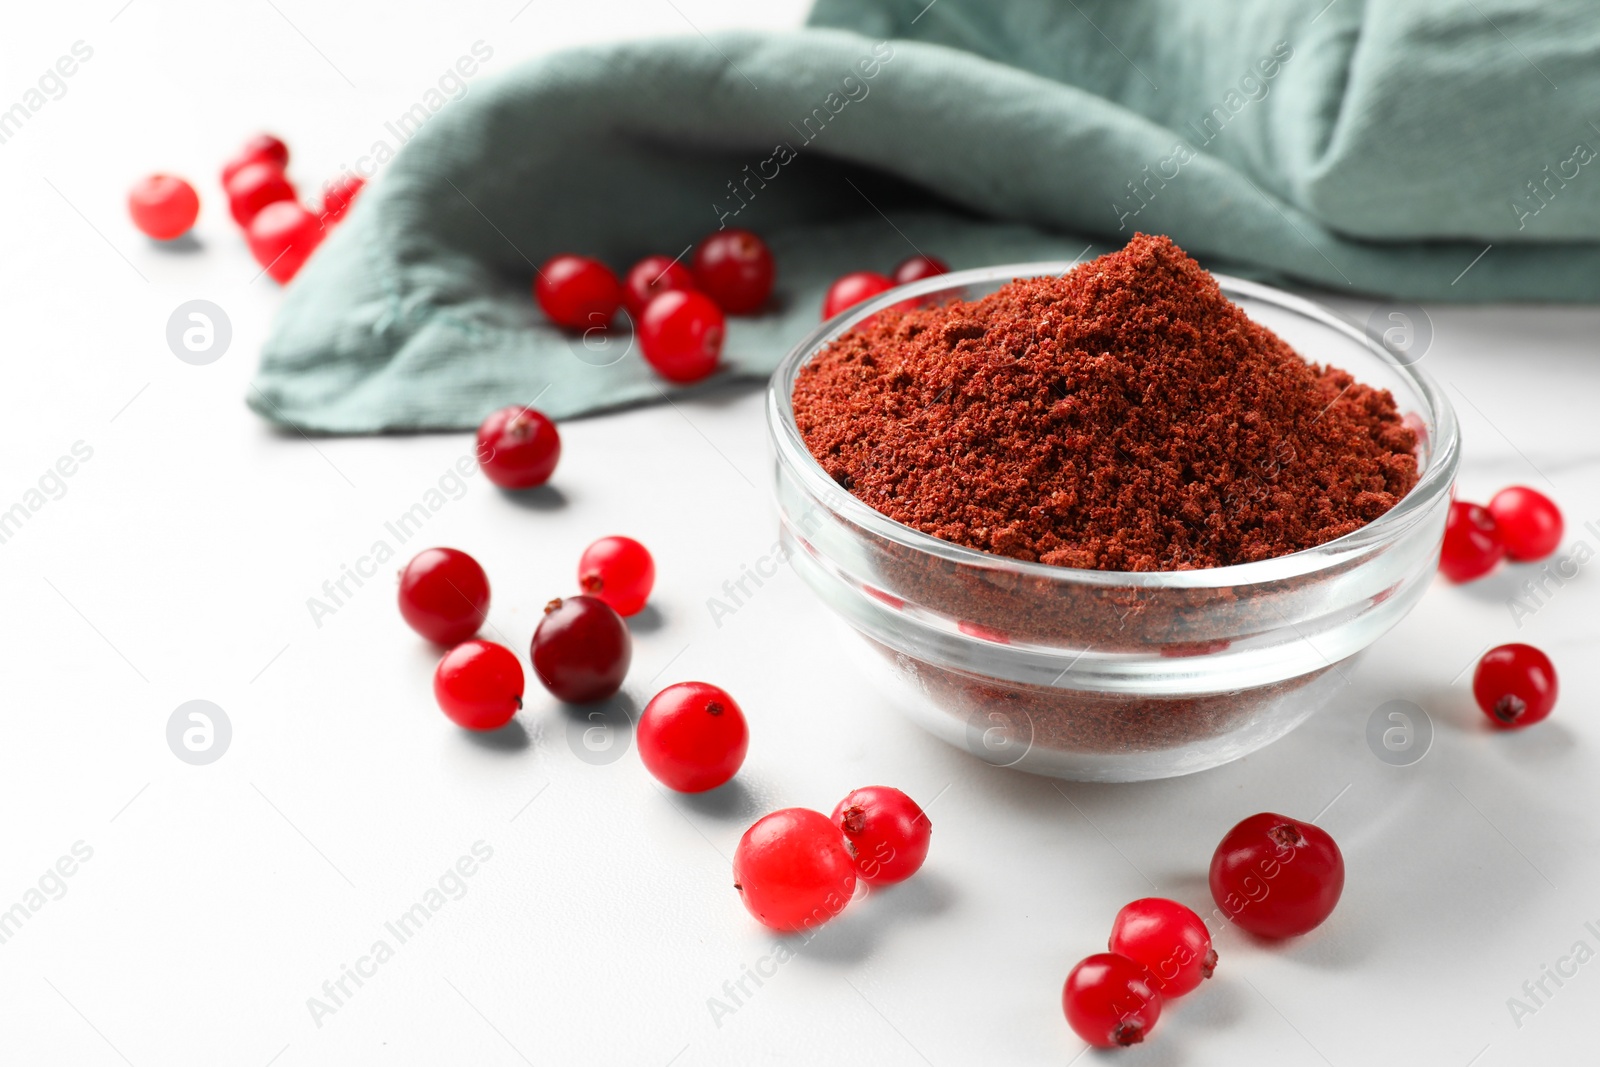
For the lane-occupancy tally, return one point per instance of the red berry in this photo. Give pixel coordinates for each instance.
(478, 684)
(444, 595)
(282, 237)
(1515, 685)
(262, 148)
(1472, 544)
(1529, 522)
(253, 187)
(619, 571)
(649, 278)
(577, 292)
(1170, 940)
(735, 269)
(338, 195)
(851, 289)
(163, 206)
(917, 268)
(887, 833)
(792, 870)
(692, 737)
(1110, 1001)
(581, 650)
(681, 335)
(518, 447)
(1275, 876)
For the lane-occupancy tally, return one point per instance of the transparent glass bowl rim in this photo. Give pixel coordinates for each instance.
(1435, 481)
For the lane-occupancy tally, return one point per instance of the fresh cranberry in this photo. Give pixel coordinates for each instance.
(1515, 685)
(792, 870)
(649, 278)
(619, 571)
(163, 206)
(581, 650)
(1472, 544)
(518, 447)
(338, 195)
(262, 148)
(282, 237)
(1170, 940)
(852, 289)
(444, 595)
(887, 832)
(1110, 1001)
(1529, 522)
(917, 268)
(478, 684)
(255, 186)
(693, 737)
(1275, 876)
(577, 292)
(735, 269)
(681, 335)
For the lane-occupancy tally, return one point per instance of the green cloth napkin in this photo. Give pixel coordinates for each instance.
(1427, 151)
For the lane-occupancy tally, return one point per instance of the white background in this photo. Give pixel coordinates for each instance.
(218, 899)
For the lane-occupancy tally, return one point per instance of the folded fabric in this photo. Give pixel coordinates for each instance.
(1429, 151)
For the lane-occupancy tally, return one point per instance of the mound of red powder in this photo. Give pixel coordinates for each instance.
(1125, 417)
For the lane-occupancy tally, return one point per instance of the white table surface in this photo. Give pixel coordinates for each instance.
(219, 898)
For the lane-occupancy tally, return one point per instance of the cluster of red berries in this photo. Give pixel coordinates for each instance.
(1272, 876)
(281, 232)
(1520, 524)
(678, 311)
(796, 868)
(851, 289)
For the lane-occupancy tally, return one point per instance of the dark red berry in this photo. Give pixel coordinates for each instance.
(619, 571)
(253, 187)
(649, 278)
(577, 292)
(735, 269)
(478, 684)
(581, 650)
(887, 832)
(917, 268)
(1529, 522)
(262, 148)
(1472, 544)
(1515, 685)
(852, 289)
(282, 237)
(338, 195)
(693, 737)
(1275, 876)
(444, 595)
(518, 447)
(1110, 1001)
(1170, 940)
(681, 335)
(792, 870)
(163, 206)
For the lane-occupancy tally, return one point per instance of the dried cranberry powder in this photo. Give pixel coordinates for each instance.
(1127, 416)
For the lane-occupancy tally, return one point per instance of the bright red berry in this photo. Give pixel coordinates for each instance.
(518, 447)
(163, 206)
(917, 268)
(262, 148)
(1275, 876)
(338, 195)
(1529, 522)
(1110, 1001)
(681, 335)
(693, 737)
(1170, 940)
(649, 278)
(577, 292)
(792, 870)
(444, 595)
(1472, 544)
(887, 833)
(619, 571)
(478, 684)
(581, 650)
(253, 187)
(851, 289)
(735, 269)
(1515, 685)
(282, 237)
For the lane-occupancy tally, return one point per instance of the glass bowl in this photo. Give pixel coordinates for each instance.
(1109, 675)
